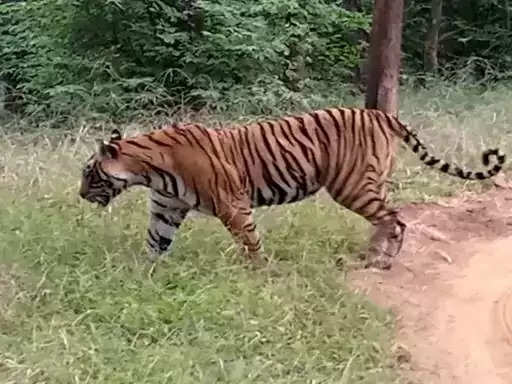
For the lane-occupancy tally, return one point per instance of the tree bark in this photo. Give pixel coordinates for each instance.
(430, 57)
(384, 56)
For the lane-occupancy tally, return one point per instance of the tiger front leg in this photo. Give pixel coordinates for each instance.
(240, 222)
(166, 216)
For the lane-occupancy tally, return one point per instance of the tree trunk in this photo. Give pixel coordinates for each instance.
(295, 71)
(352, 5)
(507, 7)
(360, 73)
(193, 14)
(430, 62)
(384, 57)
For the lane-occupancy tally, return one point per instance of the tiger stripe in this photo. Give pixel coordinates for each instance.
(226, 173)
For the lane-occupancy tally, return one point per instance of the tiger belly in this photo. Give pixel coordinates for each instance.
(276, 194)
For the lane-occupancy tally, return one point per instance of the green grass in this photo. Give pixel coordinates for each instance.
(77, 304)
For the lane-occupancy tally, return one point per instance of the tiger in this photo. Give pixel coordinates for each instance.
(226, 173)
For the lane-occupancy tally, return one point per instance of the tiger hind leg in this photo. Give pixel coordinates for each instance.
(387, 239)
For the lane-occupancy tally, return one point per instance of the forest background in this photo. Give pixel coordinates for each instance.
(120, 59)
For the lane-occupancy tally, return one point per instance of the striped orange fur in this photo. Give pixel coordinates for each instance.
(228, 172)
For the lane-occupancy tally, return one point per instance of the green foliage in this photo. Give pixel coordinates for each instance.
(119, 56)
(122, 58)
(475, 35)
(35, 62)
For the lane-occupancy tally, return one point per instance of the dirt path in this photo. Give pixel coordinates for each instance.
(451, 290)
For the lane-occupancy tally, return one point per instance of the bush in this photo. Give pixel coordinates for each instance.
(475, 35)
(119, 56)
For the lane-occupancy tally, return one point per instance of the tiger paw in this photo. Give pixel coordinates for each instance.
(379, 262)
(258, 262)
(151, 261)
(376, 257)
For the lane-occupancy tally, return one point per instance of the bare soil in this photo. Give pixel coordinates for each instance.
(451, 290)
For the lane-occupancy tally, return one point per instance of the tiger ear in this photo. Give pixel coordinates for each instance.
(115, 135)
(106, 151)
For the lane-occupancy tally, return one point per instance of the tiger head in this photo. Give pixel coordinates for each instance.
(107, 172)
